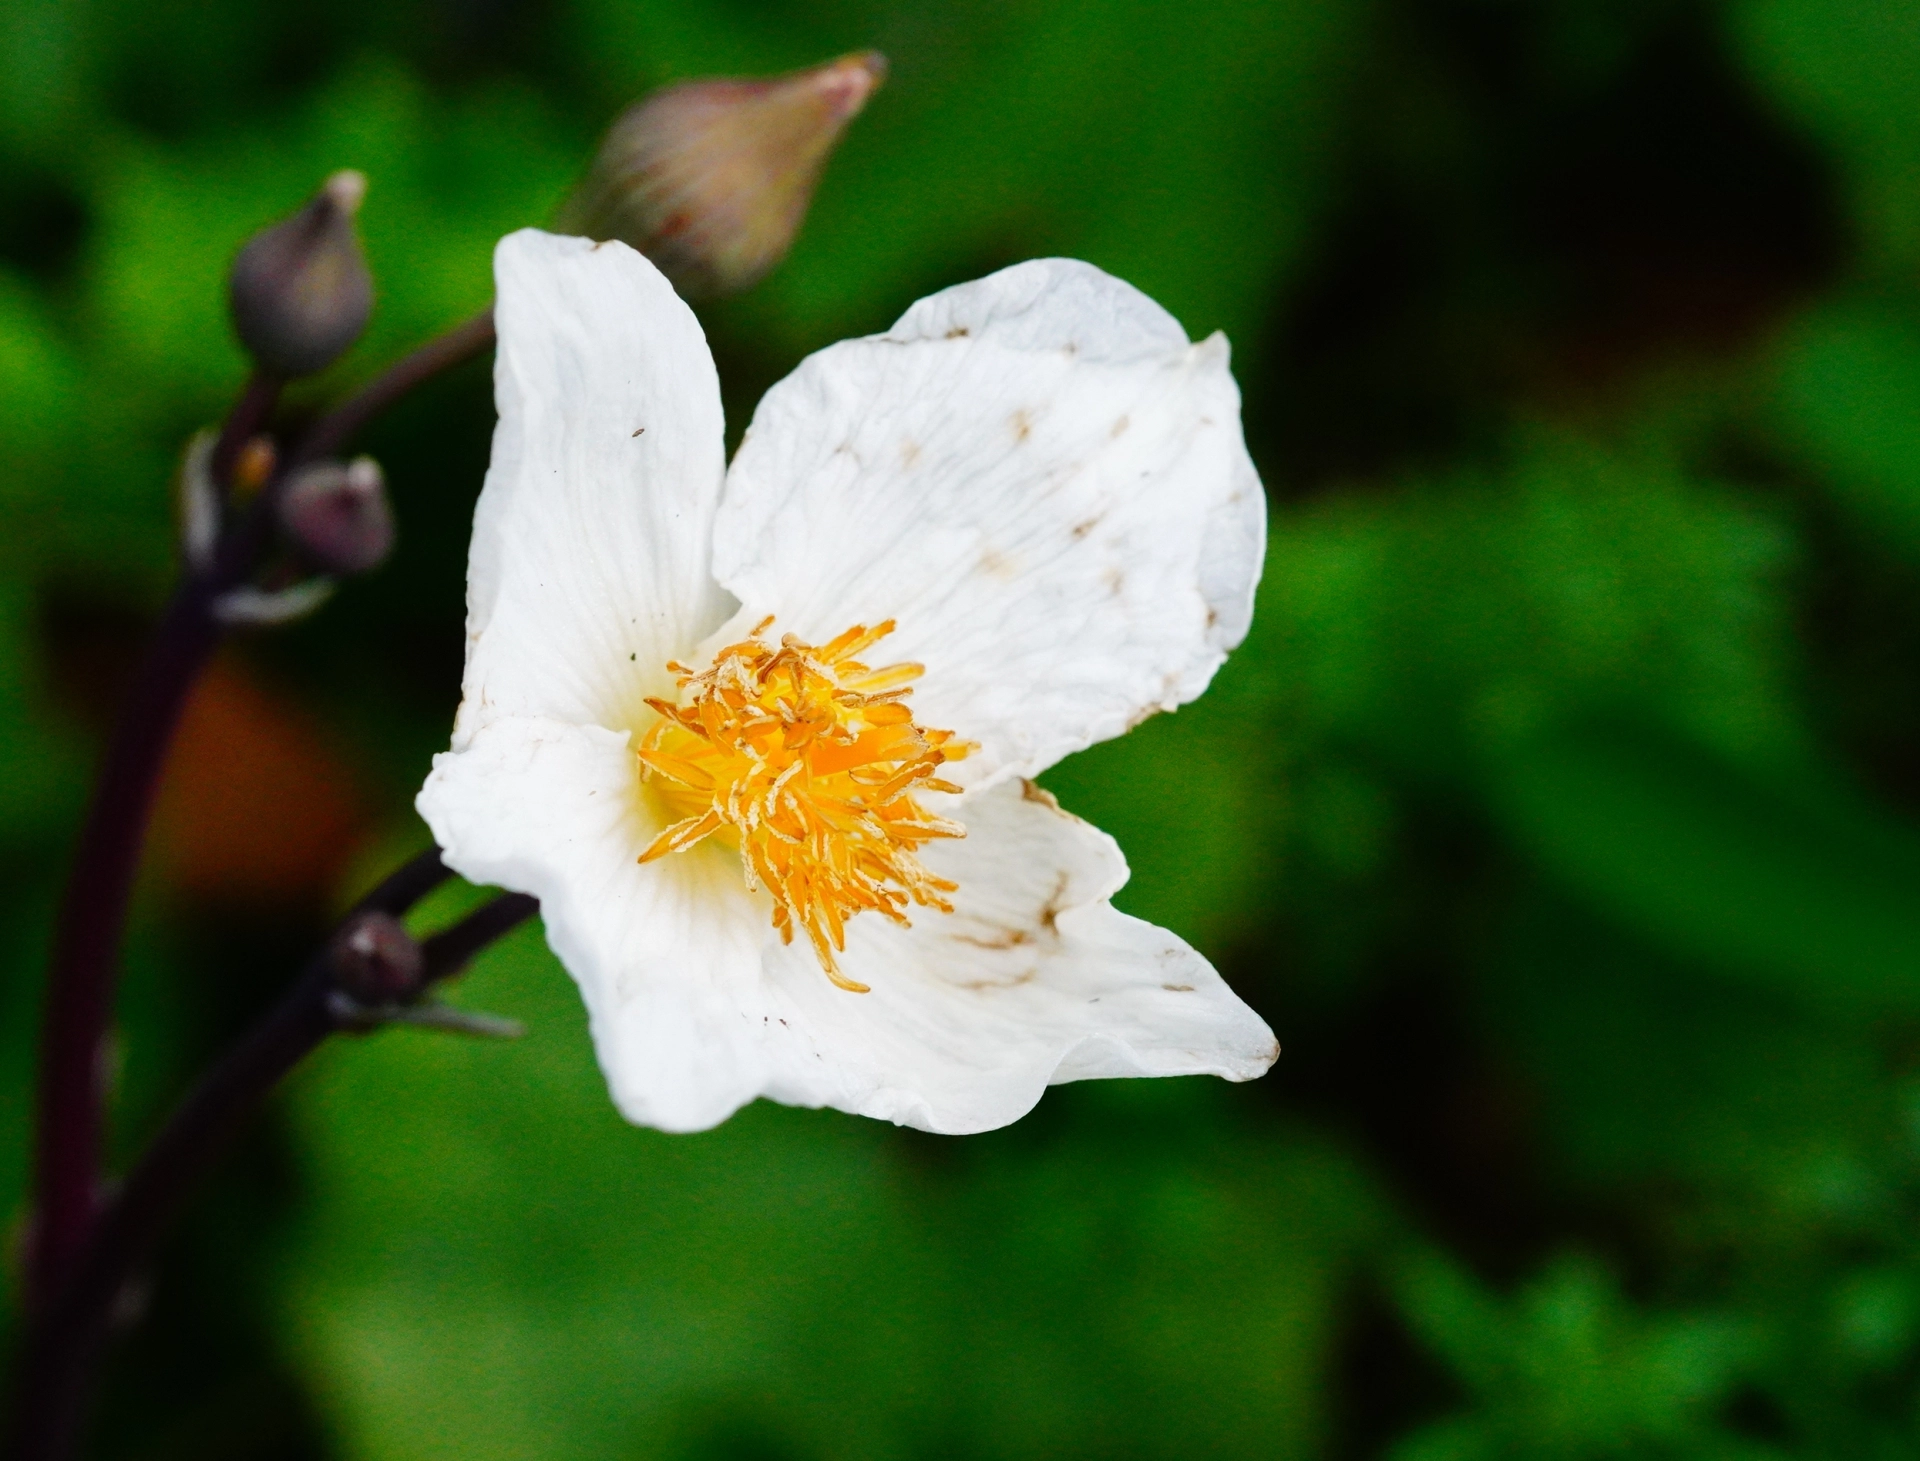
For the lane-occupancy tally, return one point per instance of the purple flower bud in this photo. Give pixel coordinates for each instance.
(336, 516)
(711, 179)
(376, 962)
(300, 290)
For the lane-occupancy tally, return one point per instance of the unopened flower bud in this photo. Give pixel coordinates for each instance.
(376, 962)
(300, 290)
(336, 516)
(711, 179)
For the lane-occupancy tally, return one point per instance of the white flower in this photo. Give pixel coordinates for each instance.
(1041, 486)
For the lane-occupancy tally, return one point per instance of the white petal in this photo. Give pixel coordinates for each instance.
(664, 953)
(696, 1008)
(592, 538)
(1039, 478)
(1033, 979)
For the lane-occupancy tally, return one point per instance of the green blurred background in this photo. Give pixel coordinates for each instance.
(1562, 813)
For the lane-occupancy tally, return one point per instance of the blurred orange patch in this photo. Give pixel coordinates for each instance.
(255, 807)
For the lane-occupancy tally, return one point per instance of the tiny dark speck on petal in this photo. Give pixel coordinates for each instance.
(633, 656)
(638, 430)
(958, 332)
(1178, 988)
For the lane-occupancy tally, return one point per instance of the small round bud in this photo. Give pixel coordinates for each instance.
(300, 290)
(336, 516)
(376, 962)
(711, 179)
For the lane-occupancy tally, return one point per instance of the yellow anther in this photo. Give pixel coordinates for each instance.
(810, 759)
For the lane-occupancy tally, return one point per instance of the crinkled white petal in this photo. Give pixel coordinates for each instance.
(696, 1007)
(592, 538)
(1033, 979)
(1039, 479)
(1042, 482)
(667, 954)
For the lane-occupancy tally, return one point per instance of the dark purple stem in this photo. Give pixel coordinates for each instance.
(93, 911)
(93, 917)
(452, 949)
(69, 1133)
(330, 434)
(406, 885)
(64, 1344)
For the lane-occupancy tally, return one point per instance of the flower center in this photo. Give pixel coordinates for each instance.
(811, 760)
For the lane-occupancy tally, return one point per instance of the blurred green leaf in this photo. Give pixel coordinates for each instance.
(1569, 1368)
(1793, 883)
(1846, 67)
(1111, 130)
(41, 789)
(444, 184)
(1195, 798)
(1748, 1119)
(1456, 620)
(496, 1266)
(1850, 405)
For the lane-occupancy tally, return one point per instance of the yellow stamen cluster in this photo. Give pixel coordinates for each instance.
(811, 760)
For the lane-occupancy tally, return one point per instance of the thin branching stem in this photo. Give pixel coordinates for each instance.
(63, 1256)
(65, 1339)
(93, 911)
(329, 435)
(87, 936)
(70, 1114)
